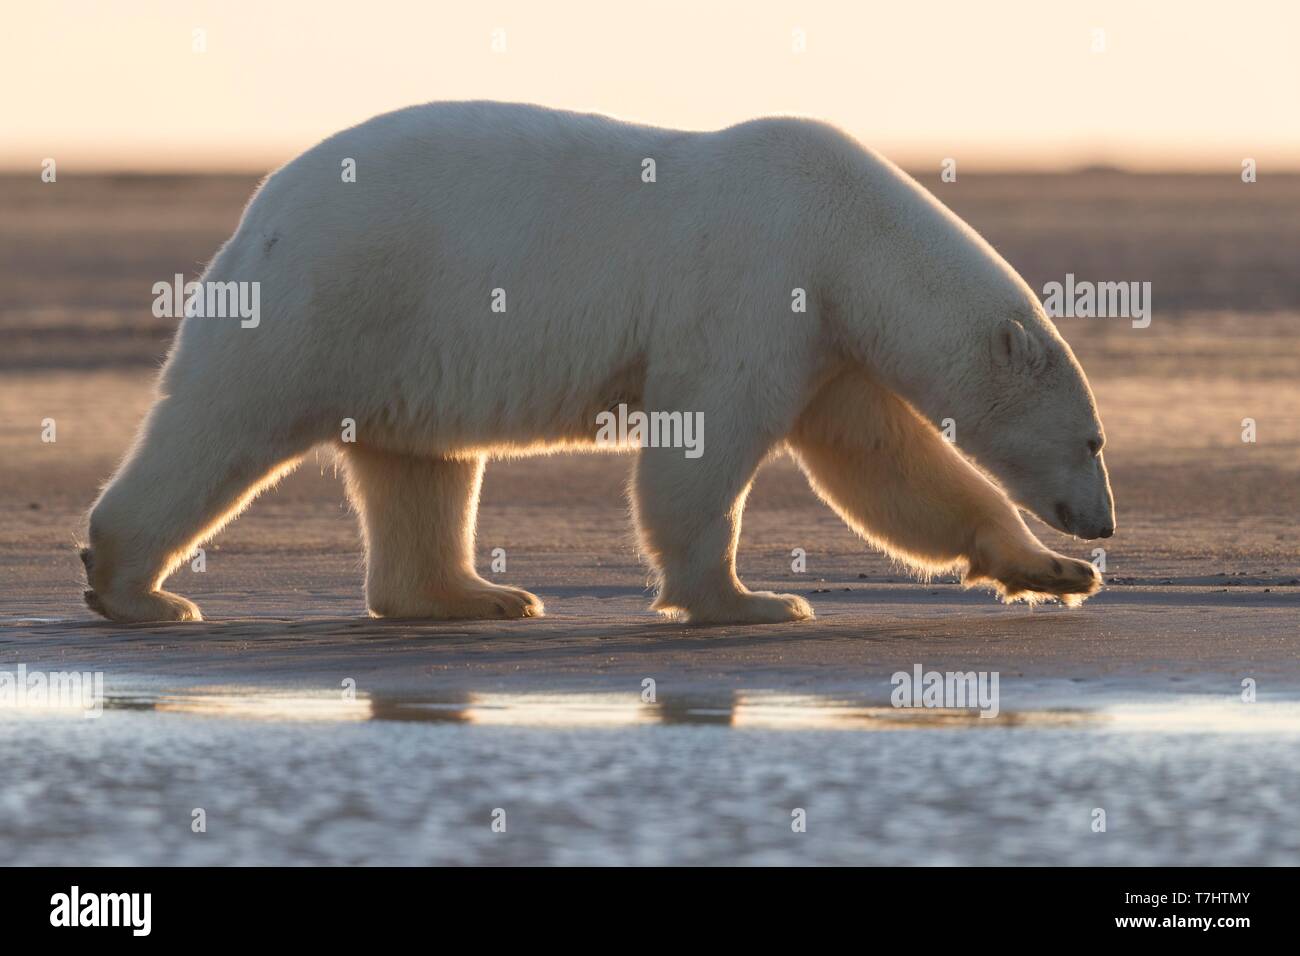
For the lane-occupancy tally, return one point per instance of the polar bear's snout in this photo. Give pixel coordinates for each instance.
(1083, 529)
(1089, 510)
(1048, 473)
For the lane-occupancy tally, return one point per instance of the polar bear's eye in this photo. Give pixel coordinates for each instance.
(1094, 446)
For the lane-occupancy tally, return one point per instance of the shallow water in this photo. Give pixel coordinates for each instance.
(288, 778)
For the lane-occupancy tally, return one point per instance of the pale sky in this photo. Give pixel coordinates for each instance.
(1003, 83)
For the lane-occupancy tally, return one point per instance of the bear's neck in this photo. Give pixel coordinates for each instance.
(925, 294)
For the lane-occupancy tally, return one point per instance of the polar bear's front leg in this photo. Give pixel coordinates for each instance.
(417, 516)
(688, 512)
(896, 482)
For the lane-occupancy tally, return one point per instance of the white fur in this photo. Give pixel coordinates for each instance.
(671, 295)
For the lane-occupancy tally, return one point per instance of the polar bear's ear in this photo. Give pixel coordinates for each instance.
(1013, 347)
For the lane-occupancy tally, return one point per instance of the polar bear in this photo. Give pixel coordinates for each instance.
(495, 276)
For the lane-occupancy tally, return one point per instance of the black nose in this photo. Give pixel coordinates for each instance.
(1106, 532)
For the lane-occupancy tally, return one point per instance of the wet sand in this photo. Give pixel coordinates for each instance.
(1203, 590)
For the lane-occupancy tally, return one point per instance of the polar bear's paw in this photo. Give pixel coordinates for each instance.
(133, 606)
(480, 600)
(144, 607)
(747, 607)
(1042, 576)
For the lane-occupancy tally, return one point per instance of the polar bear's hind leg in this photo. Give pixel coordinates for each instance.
(194, 466)
(417, 517)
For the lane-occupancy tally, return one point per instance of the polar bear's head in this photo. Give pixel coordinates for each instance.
(1040, 434)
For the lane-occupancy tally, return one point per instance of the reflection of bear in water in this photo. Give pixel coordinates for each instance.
(495, 276)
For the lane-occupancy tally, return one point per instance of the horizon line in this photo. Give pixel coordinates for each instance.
(912, 169)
